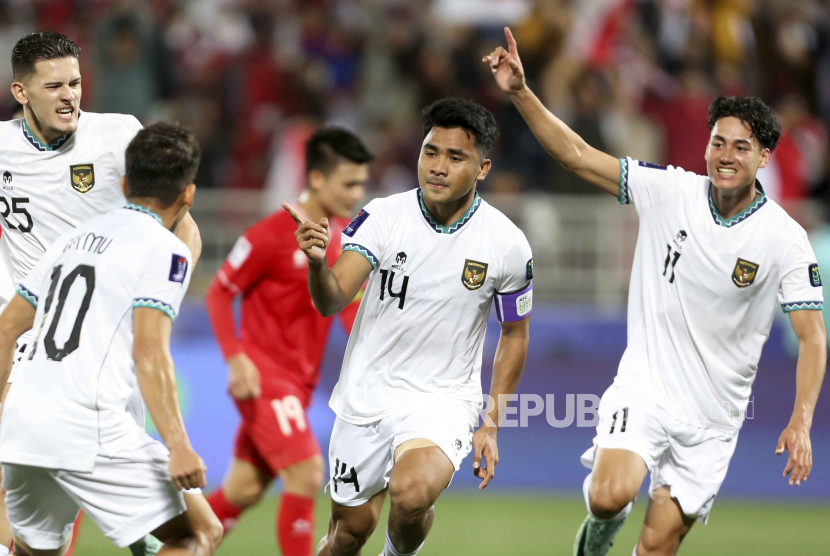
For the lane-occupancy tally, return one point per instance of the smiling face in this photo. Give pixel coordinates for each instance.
(53, 94)
(733, 155)
(449, 165)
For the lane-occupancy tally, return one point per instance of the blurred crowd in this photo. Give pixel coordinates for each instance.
(633, 77)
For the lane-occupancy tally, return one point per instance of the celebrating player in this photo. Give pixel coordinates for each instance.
(104, 297)
(714, 258)
(410, 390)
(274, 367)
(59, 167)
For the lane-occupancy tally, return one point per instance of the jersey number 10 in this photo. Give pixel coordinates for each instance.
(53, 353)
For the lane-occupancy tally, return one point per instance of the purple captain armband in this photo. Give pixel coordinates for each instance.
(511, 307)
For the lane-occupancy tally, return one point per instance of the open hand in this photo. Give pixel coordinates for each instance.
(506, 65)
(313, 238)
(796, 440)
(485, 448)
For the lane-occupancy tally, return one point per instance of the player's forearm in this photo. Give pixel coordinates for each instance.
(508, 366)
(325, 290)
(812, 360)
(157, 381)
(219, 305)
(188, 232)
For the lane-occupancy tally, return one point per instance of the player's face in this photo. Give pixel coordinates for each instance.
(343, 188)
(54, 94)
(733, 155)
(449, 165)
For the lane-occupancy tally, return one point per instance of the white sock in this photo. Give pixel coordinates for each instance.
(3, 550)
(586, 486)
(390, 550)
(634, 552)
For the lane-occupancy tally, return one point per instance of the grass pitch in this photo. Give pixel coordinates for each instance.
(545, 524)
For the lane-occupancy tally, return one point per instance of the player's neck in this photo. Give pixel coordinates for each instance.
(45, 136)
(168, 216)
(447, 213)
(732, 201)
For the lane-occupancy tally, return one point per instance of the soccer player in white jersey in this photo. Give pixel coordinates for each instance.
(714, 260)
(59, 167)
(409, 393)
(103, 299)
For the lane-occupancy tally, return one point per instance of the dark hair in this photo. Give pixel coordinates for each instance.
(466, 114)
(162, 160)
(328, 146)
(35, 47)
(752, 111)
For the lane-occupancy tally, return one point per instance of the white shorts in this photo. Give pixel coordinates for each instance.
(361, 457)
(23, 343)
(126, 496)
(691, 460)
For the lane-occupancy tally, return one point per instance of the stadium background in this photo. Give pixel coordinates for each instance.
(252, 78)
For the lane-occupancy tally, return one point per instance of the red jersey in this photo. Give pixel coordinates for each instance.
(281, 331)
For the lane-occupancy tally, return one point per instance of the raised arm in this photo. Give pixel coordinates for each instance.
(332, 289)
(568, 148)
(812, 360)
(156, 376)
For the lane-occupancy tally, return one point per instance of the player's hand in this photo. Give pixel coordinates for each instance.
(796, 440)
(506, 65)
(244, 377)
(485, 455)
(312, 238)
(187, 469)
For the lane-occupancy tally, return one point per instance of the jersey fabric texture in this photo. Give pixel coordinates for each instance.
(77, 389)
(419, 333)
(50, 189)
(281, 331)
(704, 290)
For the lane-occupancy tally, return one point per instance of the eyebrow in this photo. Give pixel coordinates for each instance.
(61, 82)
(720, 138)
(451, 151)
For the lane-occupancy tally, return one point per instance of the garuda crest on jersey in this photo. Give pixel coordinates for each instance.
(474, 274)
(82, 177)
(744, 273)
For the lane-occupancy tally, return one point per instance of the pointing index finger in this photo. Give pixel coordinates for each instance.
(511, 42)
(293, 212)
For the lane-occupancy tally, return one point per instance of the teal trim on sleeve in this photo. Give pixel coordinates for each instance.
(27, 295)
(165, 308)
(802, 306)
(625, 192)
(363, 251)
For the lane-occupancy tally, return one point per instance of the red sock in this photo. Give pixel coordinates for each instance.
(295, 525)
(227, 512)
(75, 531)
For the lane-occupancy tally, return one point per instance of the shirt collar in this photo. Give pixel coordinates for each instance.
(455, 226)
(145, 210)
(36, 143)
(759, 201)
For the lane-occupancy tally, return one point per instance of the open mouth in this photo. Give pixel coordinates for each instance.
(65, 113)
(727, 172)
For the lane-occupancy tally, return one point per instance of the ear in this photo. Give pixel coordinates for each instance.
(188, 194)
(486, 164)
(19, 92)
(764, 158)
(124, 186)
(316, 180)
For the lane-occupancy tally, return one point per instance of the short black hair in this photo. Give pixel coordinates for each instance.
(36, 47)
(470, 116)
(162, 160)
(330, 145)
(752, 111)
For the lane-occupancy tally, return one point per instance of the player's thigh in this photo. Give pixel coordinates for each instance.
(304, 478)
(421, 473)
(245, 482)
(40, 512)
(197, 522)
(665, 525)
(360, 460)
(22, 549)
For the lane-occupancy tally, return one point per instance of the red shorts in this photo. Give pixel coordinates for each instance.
(274, 433)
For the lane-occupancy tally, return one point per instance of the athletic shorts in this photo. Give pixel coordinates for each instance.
(691, 460)
(274, 433)
(127, 496)
(361, 457)
(23, 343)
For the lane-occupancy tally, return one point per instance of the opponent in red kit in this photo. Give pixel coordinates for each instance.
(274, 365)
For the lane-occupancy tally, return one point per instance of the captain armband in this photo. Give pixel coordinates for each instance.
(515, 306)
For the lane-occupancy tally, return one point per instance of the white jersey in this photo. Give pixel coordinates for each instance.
(50, 189)
(77, 385)
(704, 290)
(419, 331)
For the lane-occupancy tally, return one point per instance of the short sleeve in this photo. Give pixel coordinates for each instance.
(125, 134)
(800, 286)
(365, 233)
(164, 280)
(514, 289)
(250, 259)
(644, 184)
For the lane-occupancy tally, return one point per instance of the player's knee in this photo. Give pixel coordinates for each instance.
(306, 479)
(209, 534)
(245, 494)
(347, 540)
(609, 499)
(409, 497)
(652, 547)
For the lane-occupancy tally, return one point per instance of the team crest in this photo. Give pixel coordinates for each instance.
(83, 177)
(474, 274)
(744, 273)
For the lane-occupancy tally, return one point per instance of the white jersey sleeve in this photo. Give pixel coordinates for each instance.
(514, 287)
(646, 185)
(800, 286)
(366, 232)
(164, 280)
(123, 137)
(32, 287)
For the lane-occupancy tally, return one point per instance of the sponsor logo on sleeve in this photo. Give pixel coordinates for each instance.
(529, 273)
(356, 223)
(178, 269)
(239, 253)
(815, 276)
(82, 177)
(473, 274)
(651, 165)
(524, 303)
(744, 273)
